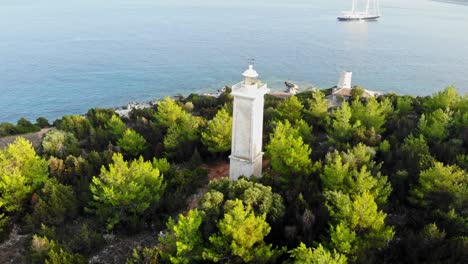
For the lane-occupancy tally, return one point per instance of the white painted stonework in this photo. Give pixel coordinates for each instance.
(247, 126)
(345, 80)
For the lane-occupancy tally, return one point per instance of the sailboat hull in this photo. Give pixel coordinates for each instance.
(358, 18)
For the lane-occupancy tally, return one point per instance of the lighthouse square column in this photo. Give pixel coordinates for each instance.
(247, 132)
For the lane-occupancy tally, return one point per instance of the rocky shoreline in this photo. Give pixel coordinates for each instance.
(124, 111)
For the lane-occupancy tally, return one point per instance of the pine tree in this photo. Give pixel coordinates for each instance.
(76, 124)
(404, 105)
(132, 143)
(22, 172)
(341, 129)
(371, 115)
(358, 225)
(63, 257)
(168, 112)
(317, 110)
(415, 155)
(290, 110)
(260, 197)
(354, 172)
(217, 136)
(287, 151)
(55, 203)
(183, 242)
(443, 187)
(182, 136)
(447, 98)
(352, 195)
(116, 127)
(60, 144)
(123, 192)
(319, 255)
(434, 126)
(241, 236)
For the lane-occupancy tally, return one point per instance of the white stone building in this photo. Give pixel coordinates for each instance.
(343, 90)
(247, 126)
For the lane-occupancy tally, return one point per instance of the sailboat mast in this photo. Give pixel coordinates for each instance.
(367, 7)
(372, 11)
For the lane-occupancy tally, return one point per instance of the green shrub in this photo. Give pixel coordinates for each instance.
(142, 255)
(132, 143)
(45, 250)
(115, 127)
(60, 143)
(40, 248)
(123, 192)
(53, 204)
(3, 223)
(42, 122)
(25, 126)
(98, 117)
(86, 241)
(63, 257)
(180, 185)
(22, 172)
(7, 129)
(78, 125)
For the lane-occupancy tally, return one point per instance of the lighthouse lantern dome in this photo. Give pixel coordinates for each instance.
(250, 75)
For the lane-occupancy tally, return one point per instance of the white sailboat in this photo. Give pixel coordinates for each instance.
(368, 14)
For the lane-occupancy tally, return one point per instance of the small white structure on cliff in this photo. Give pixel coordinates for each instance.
(247, 126)
(345, 80)
(344, 90)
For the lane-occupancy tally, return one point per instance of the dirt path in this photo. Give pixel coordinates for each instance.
(215, 171)
(35, 138)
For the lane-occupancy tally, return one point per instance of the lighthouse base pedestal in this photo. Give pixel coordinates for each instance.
(243, 167)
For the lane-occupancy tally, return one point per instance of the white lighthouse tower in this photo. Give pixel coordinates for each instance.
(247, 126)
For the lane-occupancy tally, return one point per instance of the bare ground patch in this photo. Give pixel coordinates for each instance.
(35, 138)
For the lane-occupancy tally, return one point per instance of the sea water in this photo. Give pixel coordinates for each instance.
(63, 57)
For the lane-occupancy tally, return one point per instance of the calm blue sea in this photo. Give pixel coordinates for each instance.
(63, 57)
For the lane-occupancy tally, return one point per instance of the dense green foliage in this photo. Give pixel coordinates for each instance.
(183, 129)
(376, 180)
(131, 143)
(80, 126)
(240, 237)
(184, 242)
(23, 126)
(124, 191)
(53, 204)
(60, 143)
(22, 173)
(116, 128)
(318, 255)
(341, 128)
(219, 132)
(290, 110)
(44, 250)
(372, 115)
(287, 151)
(260, 197)
(316, 111)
